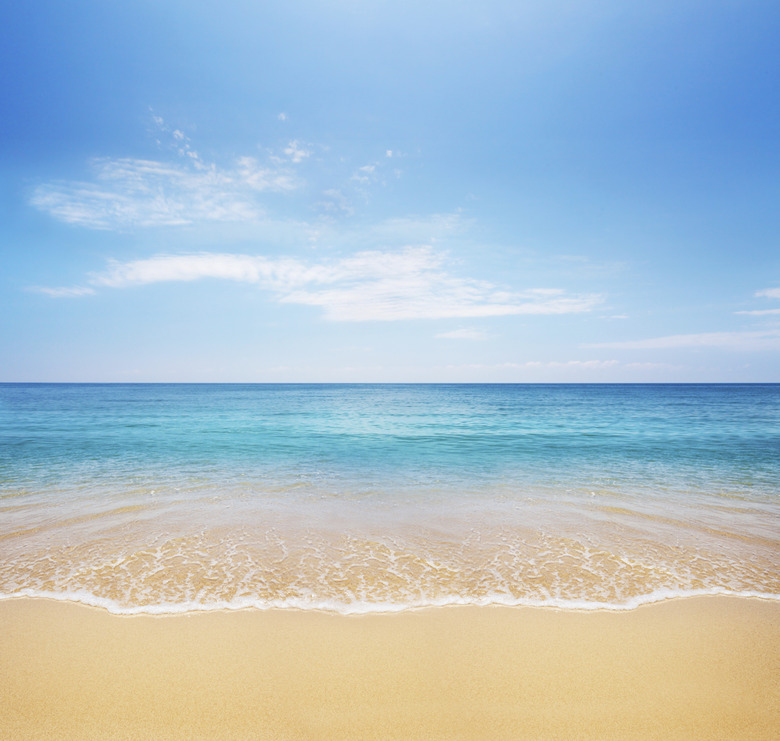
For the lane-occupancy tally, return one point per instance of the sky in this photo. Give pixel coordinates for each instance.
(377, 191)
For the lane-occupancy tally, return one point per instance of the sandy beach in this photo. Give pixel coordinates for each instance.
(698, 668)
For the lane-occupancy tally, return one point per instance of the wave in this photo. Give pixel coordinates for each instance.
(367, 608)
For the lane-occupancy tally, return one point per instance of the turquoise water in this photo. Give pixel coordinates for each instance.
(382, 497)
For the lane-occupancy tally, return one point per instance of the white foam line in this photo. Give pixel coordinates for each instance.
(365, 608)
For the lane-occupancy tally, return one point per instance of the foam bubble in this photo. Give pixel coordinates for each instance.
(367, 608)
(365, 571)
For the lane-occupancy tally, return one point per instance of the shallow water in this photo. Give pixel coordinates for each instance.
(165, 498)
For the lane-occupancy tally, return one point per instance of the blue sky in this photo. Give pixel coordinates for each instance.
(455, 191)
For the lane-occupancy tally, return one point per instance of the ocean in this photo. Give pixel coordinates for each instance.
(164, 498)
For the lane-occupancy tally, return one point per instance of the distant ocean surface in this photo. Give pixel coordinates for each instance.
(361, 498)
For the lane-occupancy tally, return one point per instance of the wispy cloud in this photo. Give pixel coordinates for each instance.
(133, 192)
(335, 203)
(768, 339)
(71, 292)
(184, 268)
(144, 193)
(295, 151)
(365, 174)
(412, 283)
(562, 368)
(373, 173)
(765, 293)
(548, 365)
(759, 312)
(570, 364)
(462, 334)
(739, 341)
(182, 188)
(430, 228)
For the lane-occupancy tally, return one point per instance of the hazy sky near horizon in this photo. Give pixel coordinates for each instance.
(561, 190)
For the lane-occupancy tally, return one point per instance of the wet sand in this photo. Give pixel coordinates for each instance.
(699, 668)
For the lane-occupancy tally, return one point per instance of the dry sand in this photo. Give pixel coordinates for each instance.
(702, 668)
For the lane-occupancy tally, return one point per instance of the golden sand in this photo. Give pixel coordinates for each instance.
(703, 668)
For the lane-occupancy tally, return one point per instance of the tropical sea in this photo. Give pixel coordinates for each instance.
(368, 498)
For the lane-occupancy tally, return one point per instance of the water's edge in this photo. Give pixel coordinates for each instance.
(377, 608)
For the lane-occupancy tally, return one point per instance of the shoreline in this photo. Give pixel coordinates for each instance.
(360, 609)
(704, 667)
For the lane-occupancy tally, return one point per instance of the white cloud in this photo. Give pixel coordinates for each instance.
(759, 312)
(416, 229)
(361, 236)
(251, 173)
(279, 274)
(765, 293)
(71, 292)
(365, 174)
(411, 283)
(651, 366)
(544, 364)
(179, 141)
(758, 340)
(282, 116)
(462, 334)
(569, 364)
(375, 172)
(335, 203)
(146, 193)
(295, 152)
(182, 189)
